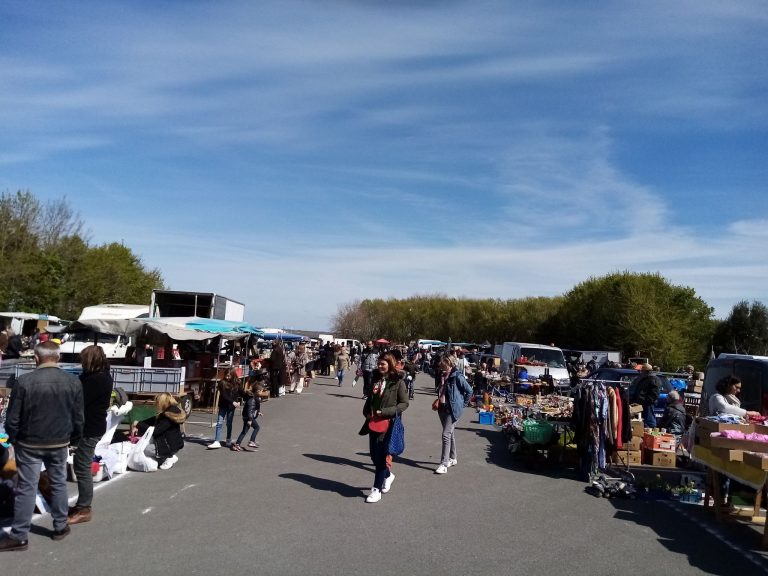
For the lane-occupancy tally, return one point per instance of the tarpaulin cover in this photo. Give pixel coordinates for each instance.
(185, 328)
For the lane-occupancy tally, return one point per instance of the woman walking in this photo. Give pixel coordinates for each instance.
(228, 388)
(342, 362)
(97, 391)
(389, 396)
(451, 398)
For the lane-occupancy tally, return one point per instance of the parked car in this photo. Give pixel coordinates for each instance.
(628, 379)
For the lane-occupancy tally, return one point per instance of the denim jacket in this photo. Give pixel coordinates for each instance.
(457, 391)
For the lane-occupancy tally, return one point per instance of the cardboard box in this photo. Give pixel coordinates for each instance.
(635, 444)
(659, 441)
(756, 460)
(633, 457)
(748, 445)
(659, 458)
(711, 426)
(638, 428)
(635, 409)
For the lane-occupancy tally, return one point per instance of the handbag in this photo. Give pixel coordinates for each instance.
(436, 404)
(397, 436)
(378, 424)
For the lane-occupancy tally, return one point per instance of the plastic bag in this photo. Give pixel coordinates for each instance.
(138, 460)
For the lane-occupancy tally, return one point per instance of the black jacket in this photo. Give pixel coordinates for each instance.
(646, 390)
(46, 409)
(674, 419)
(97, 391)
(167, 434)
(251, 407)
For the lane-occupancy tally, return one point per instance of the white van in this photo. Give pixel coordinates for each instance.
(430, 344)
(115, 346)
(551, 361)
(349, 343)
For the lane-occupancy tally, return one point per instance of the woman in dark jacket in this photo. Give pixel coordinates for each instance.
(97, 391)
(389, 395)
(228, 389)
(167, 435)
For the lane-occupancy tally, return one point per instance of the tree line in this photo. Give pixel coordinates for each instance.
(48, 265)
(638, 314)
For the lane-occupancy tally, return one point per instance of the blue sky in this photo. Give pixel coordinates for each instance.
(299, 155)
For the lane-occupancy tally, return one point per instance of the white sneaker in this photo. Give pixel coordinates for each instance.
(174, 458)
(442, 469)
(452, 462)
(354, 383)
(214, 445)
(374, 496)
(388, 483)
(166, 465)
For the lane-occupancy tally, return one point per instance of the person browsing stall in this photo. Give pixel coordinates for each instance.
(725, 400)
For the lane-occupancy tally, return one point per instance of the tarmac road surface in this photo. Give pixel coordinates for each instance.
(297, 507)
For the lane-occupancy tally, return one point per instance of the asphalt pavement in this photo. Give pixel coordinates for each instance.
(297, 507)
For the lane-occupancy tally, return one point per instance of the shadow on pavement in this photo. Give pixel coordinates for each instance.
(705, 550)
(407, 462)
(326, 485)
(344, 396)
(341, 461)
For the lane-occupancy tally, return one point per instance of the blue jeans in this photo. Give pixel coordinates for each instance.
(649, 418)
(379, 447)
(28, 462)
(340, 375)
(229, 414)
(254, 425)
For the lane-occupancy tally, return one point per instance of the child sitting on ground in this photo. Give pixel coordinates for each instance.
(167, 435)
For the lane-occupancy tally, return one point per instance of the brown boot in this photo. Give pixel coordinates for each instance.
(79, 515)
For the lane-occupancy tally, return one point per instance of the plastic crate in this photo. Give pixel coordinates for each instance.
(537, 431)
(486, 417)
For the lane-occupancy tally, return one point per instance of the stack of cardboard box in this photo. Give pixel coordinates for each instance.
(631, 453)
(659, 449)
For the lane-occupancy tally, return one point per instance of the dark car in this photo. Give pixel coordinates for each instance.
(628, 378)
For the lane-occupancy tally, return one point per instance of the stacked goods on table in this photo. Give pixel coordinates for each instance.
(734, 440)
(631, 453)
(659, 449)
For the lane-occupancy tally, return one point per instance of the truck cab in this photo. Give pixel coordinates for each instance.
(115, 347)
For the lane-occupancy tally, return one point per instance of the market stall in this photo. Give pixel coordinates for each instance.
(736, 450)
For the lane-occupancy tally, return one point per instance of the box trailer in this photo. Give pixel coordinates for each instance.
(174, 303)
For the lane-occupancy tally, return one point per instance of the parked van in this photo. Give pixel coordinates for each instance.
(115, 346)
(551, 358)
(349, 343)
(430, 344)
(753, 372)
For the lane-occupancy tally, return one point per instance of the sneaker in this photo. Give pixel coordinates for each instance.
(166, 465)
(214, 445)
(235, 448)
(442, 469)
(174, 458)
(253, 445)
(374, 496)
(388, 483)
(452, 462)
(61, 534)
(79, 514)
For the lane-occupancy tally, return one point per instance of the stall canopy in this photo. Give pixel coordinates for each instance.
(192, 328)
(382, 341)
(285, 336)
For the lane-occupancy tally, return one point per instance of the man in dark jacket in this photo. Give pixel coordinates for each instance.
(647, 389)
(45, 415)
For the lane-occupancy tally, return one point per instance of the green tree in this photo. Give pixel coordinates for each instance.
(636, 314)
(745, 330)
(47, 265)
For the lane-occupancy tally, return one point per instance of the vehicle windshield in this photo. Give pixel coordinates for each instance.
(552, 358)
(89, 335)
